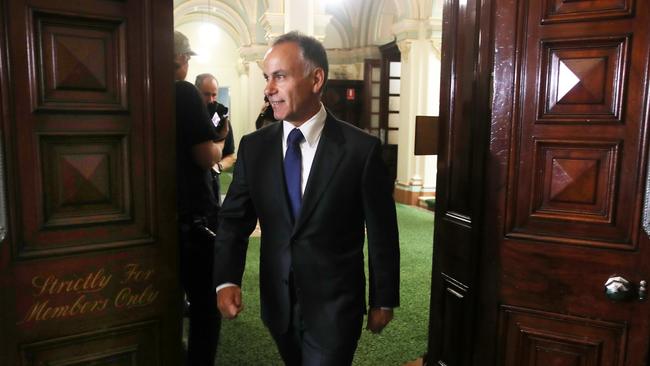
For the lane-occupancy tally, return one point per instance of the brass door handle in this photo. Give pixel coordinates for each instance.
(618, 288)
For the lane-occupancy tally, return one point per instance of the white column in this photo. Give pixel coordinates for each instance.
(420, 94)
(243, 126)
(252, 57)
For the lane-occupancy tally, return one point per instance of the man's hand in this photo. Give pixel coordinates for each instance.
(229, 301)
(378, 319)
(222, 129)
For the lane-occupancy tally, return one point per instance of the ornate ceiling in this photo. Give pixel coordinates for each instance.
(343, 24)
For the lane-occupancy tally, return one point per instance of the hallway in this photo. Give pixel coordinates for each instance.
(245, 341)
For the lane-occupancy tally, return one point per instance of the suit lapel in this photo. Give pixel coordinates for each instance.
(275, 160)
(326, 161)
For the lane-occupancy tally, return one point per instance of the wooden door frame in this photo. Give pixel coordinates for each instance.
(477, 332)
(368, 65)
(389, 53)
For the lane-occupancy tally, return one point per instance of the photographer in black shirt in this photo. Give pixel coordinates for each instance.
(199, 145)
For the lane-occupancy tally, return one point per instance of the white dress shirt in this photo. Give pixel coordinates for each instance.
(312, 129)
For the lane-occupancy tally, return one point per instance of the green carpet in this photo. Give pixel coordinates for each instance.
(225, 178)
(245, 341)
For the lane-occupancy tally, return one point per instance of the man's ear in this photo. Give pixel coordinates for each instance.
(319, 80)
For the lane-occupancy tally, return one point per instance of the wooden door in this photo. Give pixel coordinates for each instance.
(88, 270)
(571, 148)
(565, 180)
(343, 98)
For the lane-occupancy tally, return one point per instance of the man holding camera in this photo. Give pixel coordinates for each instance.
(209, 88)
(199, 145)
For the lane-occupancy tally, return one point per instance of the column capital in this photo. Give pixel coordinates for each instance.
(436, 43)
(253, 53)
(243, 67)
(408, 31)
(430, 28)
(404, 46)
(273, 24)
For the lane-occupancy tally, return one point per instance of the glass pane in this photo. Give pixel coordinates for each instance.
(376, 74)
(393, 137)
(393, 86)
(393, 103)
(395, 69)
(374, 120)
(374, 106)
(393, 119)
(224, 96)
(375, 90)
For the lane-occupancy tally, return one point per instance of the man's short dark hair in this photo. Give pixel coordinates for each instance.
(200, 78)
(312, 49)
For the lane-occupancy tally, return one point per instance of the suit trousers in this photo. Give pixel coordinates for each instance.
(197, 262)
(299, 347)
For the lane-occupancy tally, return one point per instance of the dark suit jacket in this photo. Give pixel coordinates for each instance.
(348, 187)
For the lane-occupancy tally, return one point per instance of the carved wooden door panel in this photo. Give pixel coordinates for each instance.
(567, 168)
(88, 265)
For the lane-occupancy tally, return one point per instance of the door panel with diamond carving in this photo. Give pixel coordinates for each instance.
(88, 268)
(567, 170)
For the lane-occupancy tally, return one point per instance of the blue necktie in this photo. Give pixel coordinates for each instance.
(293, 170)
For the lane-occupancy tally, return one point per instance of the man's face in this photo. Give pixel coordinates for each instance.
(209, 90)
(183, 61)
(293, 93)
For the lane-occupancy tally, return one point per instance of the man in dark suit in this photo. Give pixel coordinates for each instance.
(317, 185)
